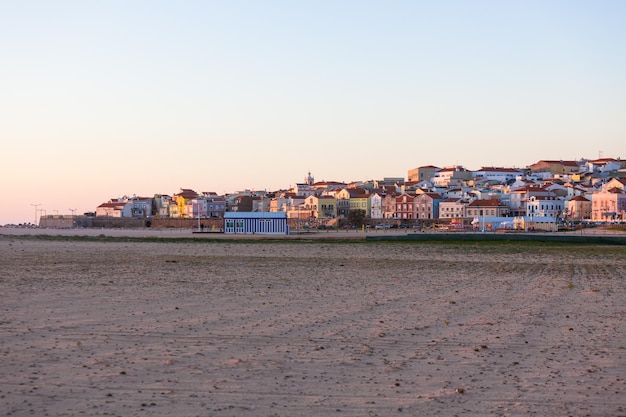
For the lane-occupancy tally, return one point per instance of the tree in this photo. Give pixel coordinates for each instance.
(356, 217)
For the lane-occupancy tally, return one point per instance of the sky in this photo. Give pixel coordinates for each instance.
(104, 99)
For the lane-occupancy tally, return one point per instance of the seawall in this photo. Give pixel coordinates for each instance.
(504, 237)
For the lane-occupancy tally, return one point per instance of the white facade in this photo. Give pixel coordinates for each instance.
(376, 206)
(498, 174)
(451, 176)
(543, 206)
(451, 209)
(126, 207)
(115, 209)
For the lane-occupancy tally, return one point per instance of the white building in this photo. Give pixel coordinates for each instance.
(498, 174)
(114, 209)
(377, 206)
(545, 206)
(452, 208)
(138, 207)
(450, 176)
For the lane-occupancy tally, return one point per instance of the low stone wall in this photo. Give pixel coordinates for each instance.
(116, 223)
(70, 222)
(64, 221)
(505, 237)
(157, 223)
(167, 223)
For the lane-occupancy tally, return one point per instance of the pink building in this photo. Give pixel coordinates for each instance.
(608, 205)
(405, 207)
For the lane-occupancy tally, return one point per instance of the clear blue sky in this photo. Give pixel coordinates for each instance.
(102, 99)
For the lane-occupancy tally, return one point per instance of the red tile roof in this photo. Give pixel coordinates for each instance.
(113, 205)
(494, 169)
(579, 198)
(486, 203)
(565, 163)
(186, 193)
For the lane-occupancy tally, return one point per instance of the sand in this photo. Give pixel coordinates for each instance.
(308, 329)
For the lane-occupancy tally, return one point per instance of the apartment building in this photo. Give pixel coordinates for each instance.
(452, 208)
(545, 206)
(491, 207)
(609, 205)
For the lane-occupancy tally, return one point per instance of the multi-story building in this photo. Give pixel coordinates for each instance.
(579, 208)
(362, 202)
(605, 165)
(343, 207)
(518, 198)
(389, 205)
(405, 207)
(545, 206)
(162, 204)
(427, 205)
(424, 173)
(502, 175)
(376, 206)
(208, 204)
(321, 207)
(351, 199)
(138, 207)
(452, 208)
(114, 208)
(491, 208)
(180, 200)
(451, 176)
(608, 205)
(394, 182)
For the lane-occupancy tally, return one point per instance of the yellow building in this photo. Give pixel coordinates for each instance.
(350, 199)
(321, 207)
(362, 202)
(181, 199)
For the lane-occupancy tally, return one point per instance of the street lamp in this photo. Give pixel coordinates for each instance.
(42, 212)
(35, 205)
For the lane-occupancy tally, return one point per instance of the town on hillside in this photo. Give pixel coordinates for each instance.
(544, 195)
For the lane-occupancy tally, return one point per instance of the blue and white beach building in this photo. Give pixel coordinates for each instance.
(252, 222)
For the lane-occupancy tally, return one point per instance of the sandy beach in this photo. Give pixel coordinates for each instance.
(310, 328)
